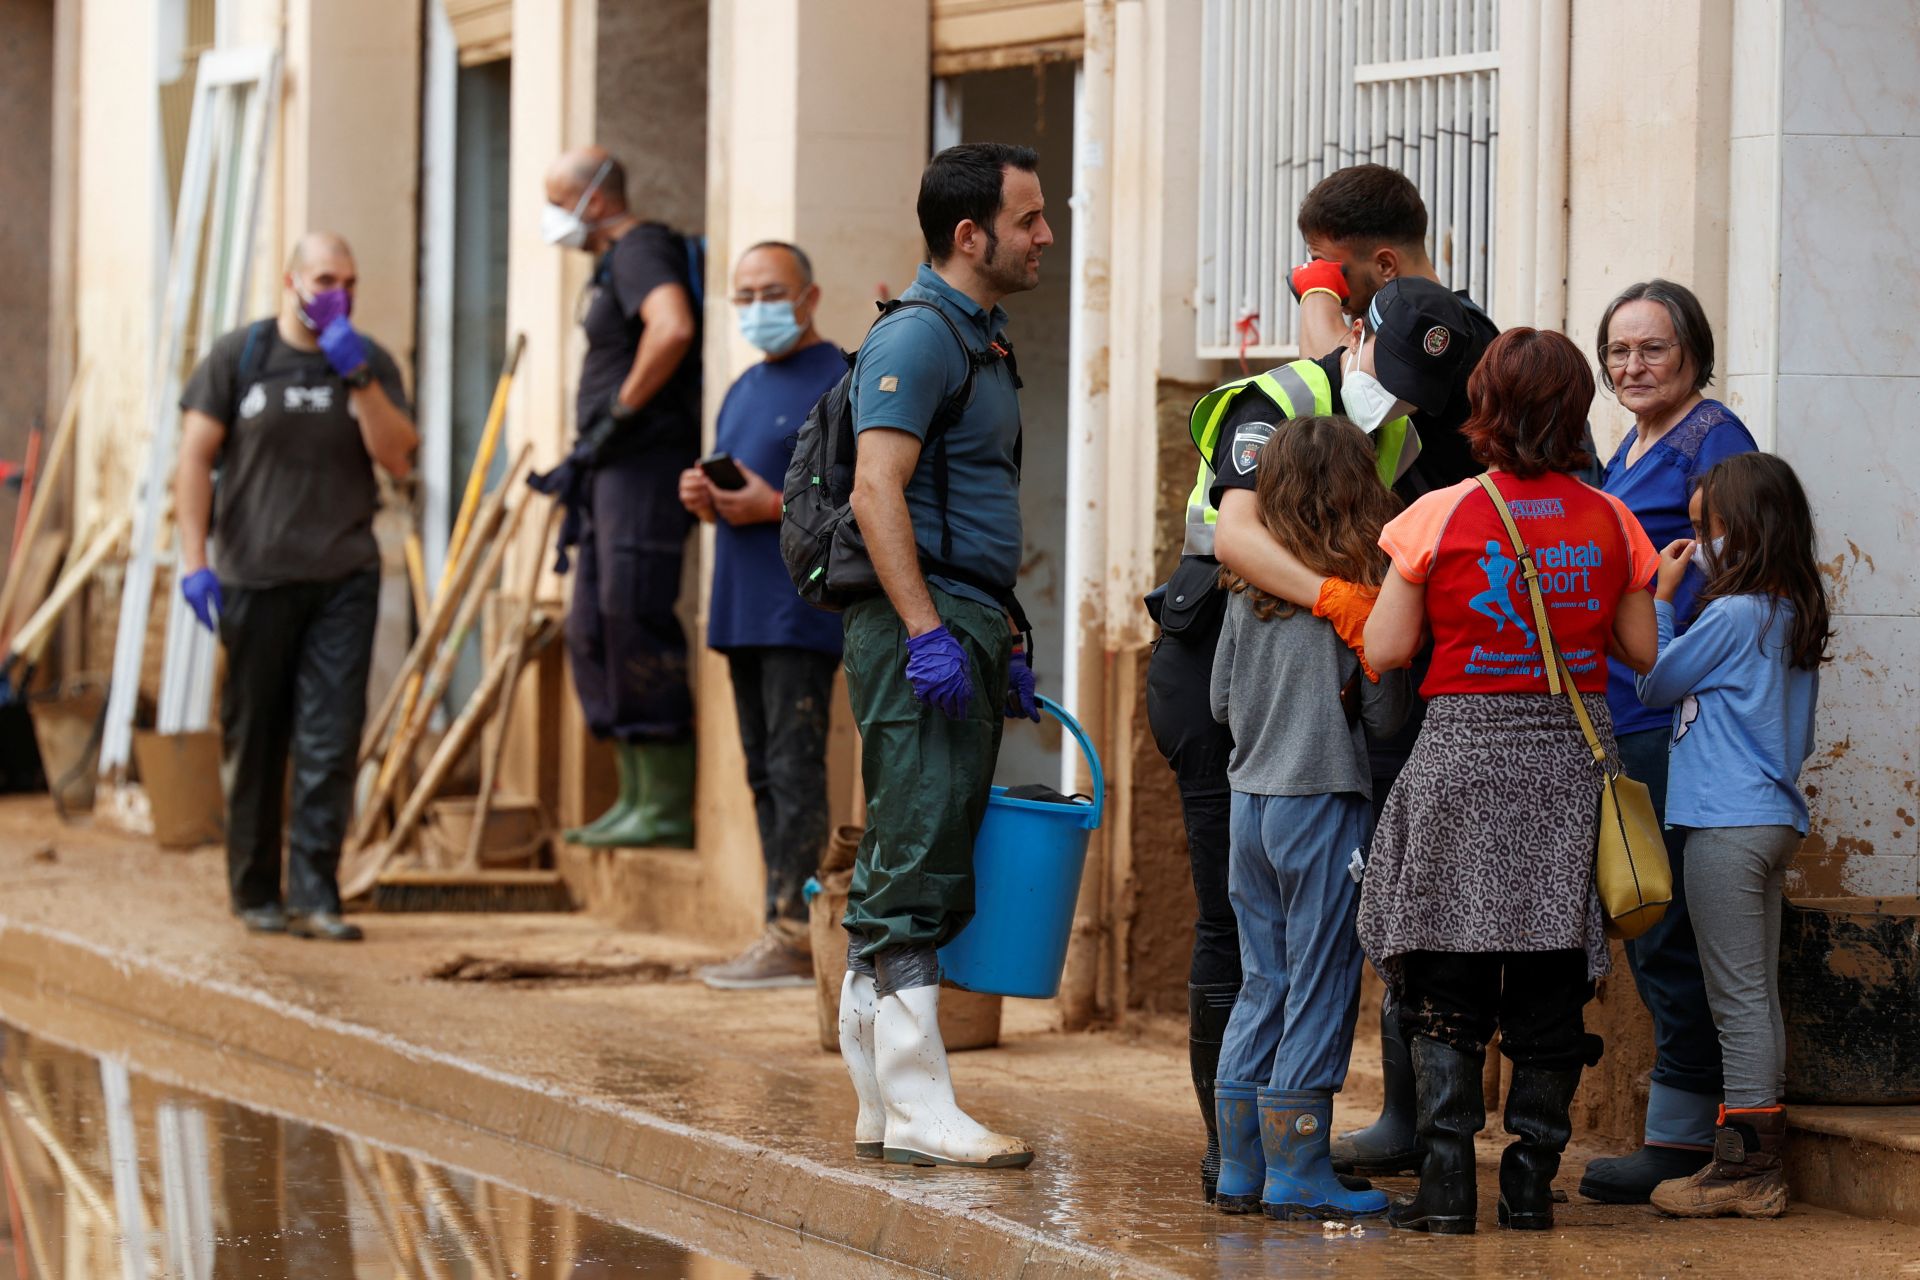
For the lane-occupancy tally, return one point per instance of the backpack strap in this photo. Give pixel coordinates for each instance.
(253, 358)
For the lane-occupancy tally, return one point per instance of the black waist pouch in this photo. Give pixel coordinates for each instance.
(1192, 600)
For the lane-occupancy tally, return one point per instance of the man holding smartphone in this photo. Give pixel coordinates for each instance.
(781, 652)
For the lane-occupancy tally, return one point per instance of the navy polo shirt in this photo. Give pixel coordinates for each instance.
(753, 602)
(1657, 489)
(908, 366)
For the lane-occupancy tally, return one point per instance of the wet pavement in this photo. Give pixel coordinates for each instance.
(716, 1120)
(112, 1174)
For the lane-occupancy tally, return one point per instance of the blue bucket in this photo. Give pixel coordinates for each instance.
(1026, 870)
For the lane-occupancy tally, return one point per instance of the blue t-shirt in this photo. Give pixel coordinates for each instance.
(1657, 489)
(1742, 718)
(753, 601)
(908, 366)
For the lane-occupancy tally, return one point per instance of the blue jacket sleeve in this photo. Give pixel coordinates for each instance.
(1686, 663)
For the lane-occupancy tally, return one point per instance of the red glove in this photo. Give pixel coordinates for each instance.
(1319, 276)
(1347, 606)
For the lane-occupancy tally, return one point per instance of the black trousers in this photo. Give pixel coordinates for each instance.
(1179, 711)
(782, 697)
(627, 648)
(297, 663)
(1535, 999)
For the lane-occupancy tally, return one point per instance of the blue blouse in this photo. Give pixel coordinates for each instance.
(1656, 489)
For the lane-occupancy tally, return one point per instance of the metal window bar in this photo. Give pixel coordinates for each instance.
(235, 105)
(1294, 89)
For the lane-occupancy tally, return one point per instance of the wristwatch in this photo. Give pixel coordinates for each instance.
(360, 379)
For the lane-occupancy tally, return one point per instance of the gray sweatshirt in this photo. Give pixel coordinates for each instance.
(1276, 685)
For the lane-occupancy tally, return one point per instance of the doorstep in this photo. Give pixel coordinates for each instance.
(1858, 1160)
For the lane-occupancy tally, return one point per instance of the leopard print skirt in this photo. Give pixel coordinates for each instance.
(1486, 842)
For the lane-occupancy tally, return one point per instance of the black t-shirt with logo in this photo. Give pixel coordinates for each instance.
(639, 262)
(296, 493)
(1445, 457)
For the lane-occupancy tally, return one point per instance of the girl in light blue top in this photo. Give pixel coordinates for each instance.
(1743, 682)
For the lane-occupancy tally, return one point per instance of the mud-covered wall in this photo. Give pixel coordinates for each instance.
(650, 104)
(26, 162)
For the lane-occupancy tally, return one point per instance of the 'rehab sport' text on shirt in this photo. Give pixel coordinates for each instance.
(1587, 548)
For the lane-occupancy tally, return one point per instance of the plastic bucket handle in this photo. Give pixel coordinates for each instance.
(1072, 726)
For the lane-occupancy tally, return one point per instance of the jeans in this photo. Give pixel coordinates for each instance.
(927, 777)
(298, 656)
(1665, 960)
(782, 697)
(1534, 999)
(1735, 874)
(1197, 747)
(1292, 1027)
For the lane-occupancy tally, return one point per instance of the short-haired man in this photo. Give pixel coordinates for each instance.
(295, 411)
(638, 415)
(931, 667)
(781, 652)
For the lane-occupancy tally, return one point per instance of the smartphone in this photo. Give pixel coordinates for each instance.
(722, 470)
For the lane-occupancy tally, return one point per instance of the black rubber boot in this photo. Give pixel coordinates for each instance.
(1391, 1144)
(1631, 1179)
(1209, 1005)
(1451, 1109)
(1537, 1117)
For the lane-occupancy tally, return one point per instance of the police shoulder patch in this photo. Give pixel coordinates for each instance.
(1248, 439)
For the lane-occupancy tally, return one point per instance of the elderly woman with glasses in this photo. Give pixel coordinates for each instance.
(1656, 356)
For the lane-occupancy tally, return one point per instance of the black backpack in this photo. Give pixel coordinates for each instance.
(819, 539)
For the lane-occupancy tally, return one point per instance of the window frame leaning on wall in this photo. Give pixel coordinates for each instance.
(1294, 89)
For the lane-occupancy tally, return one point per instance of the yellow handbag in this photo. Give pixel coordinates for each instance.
(1631, 872)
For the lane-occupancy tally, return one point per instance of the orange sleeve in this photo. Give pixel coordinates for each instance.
(1642, 558)
(1412, 537)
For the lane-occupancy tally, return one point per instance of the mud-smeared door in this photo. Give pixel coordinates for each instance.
(1033, 106)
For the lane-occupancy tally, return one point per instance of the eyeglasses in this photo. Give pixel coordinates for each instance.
(771, 293)
(1653, 354)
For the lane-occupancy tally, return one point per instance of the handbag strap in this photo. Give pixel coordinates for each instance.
(1559, 677)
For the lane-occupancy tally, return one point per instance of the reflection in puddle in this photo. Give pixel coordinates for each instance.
(113, 1175)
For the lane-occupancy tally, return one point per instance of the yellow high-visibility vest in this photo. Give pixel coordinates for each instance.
(1301, 389)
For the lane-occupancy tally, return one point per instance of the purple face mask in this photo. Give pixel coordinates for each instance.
(323, 308)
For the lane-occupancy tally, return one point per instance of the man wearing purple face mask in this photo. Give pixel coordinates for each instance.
(294, 411)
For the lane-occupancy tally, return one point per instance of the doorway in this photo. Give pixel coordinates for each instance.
(1033, 106)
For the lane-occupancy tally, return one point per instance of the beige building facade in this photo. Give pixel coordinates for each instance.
(1764, 152)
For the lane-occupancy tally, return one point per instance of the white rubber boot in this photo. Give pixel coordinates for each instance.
(925, 1125)
(856, 1046)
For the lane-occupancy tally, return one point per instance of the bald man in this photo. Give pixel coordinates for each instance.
(295, 411)
(638, 414)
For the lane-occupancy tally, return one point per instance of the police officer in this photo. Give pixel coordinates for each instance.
(638, 414)
(295, 411)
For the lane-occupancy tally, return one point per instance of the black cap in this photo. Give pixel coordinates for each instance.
(1421, 338)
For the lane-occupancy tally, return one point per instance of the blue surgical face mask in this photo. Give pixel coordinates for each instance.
(770, 326)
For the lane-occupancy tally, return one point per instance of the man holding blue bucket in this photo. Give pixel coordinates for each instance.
(932, 665)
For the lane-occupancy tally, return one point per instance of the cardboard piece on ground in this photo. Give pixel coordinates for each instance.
(181, 775)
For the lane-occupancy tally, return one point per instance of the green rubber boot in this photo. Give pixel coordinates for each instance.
(663, 816)
(624, 804)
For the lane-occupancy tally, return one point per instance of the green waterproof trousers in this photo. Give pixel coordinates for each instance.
(927, 777)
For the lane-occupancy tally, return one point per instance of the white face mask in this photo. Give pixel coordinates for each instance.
(568, 227)
(1707, 554)
(1367, 403)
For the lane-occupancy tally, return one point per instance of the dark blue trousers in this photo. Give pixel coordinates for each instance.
(628, 649)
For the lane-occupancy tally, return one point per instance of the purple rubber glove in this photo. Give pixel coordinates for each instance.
(938, 670)
(323, 308)
(202, 592)
(1020, 688)
(345, 349)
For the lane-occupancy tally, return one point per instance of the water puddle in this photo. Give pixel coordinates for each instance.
(110, 1174)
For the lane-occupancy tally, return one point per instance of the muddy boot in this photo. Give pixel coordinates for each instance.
(662, 816)
(781, 957)
(1745, 1179)
(1537, 1103)
(857, 1005)
(1680, 1127)
(925, 1125)
(1300, 1180)
(1451, 1108)
(623, 805)
(1243, 1166)
(1209, 1005)
(1390, 1145)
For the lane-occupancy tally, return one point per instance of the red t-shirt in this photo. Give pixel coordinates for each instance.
(1587, 547)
